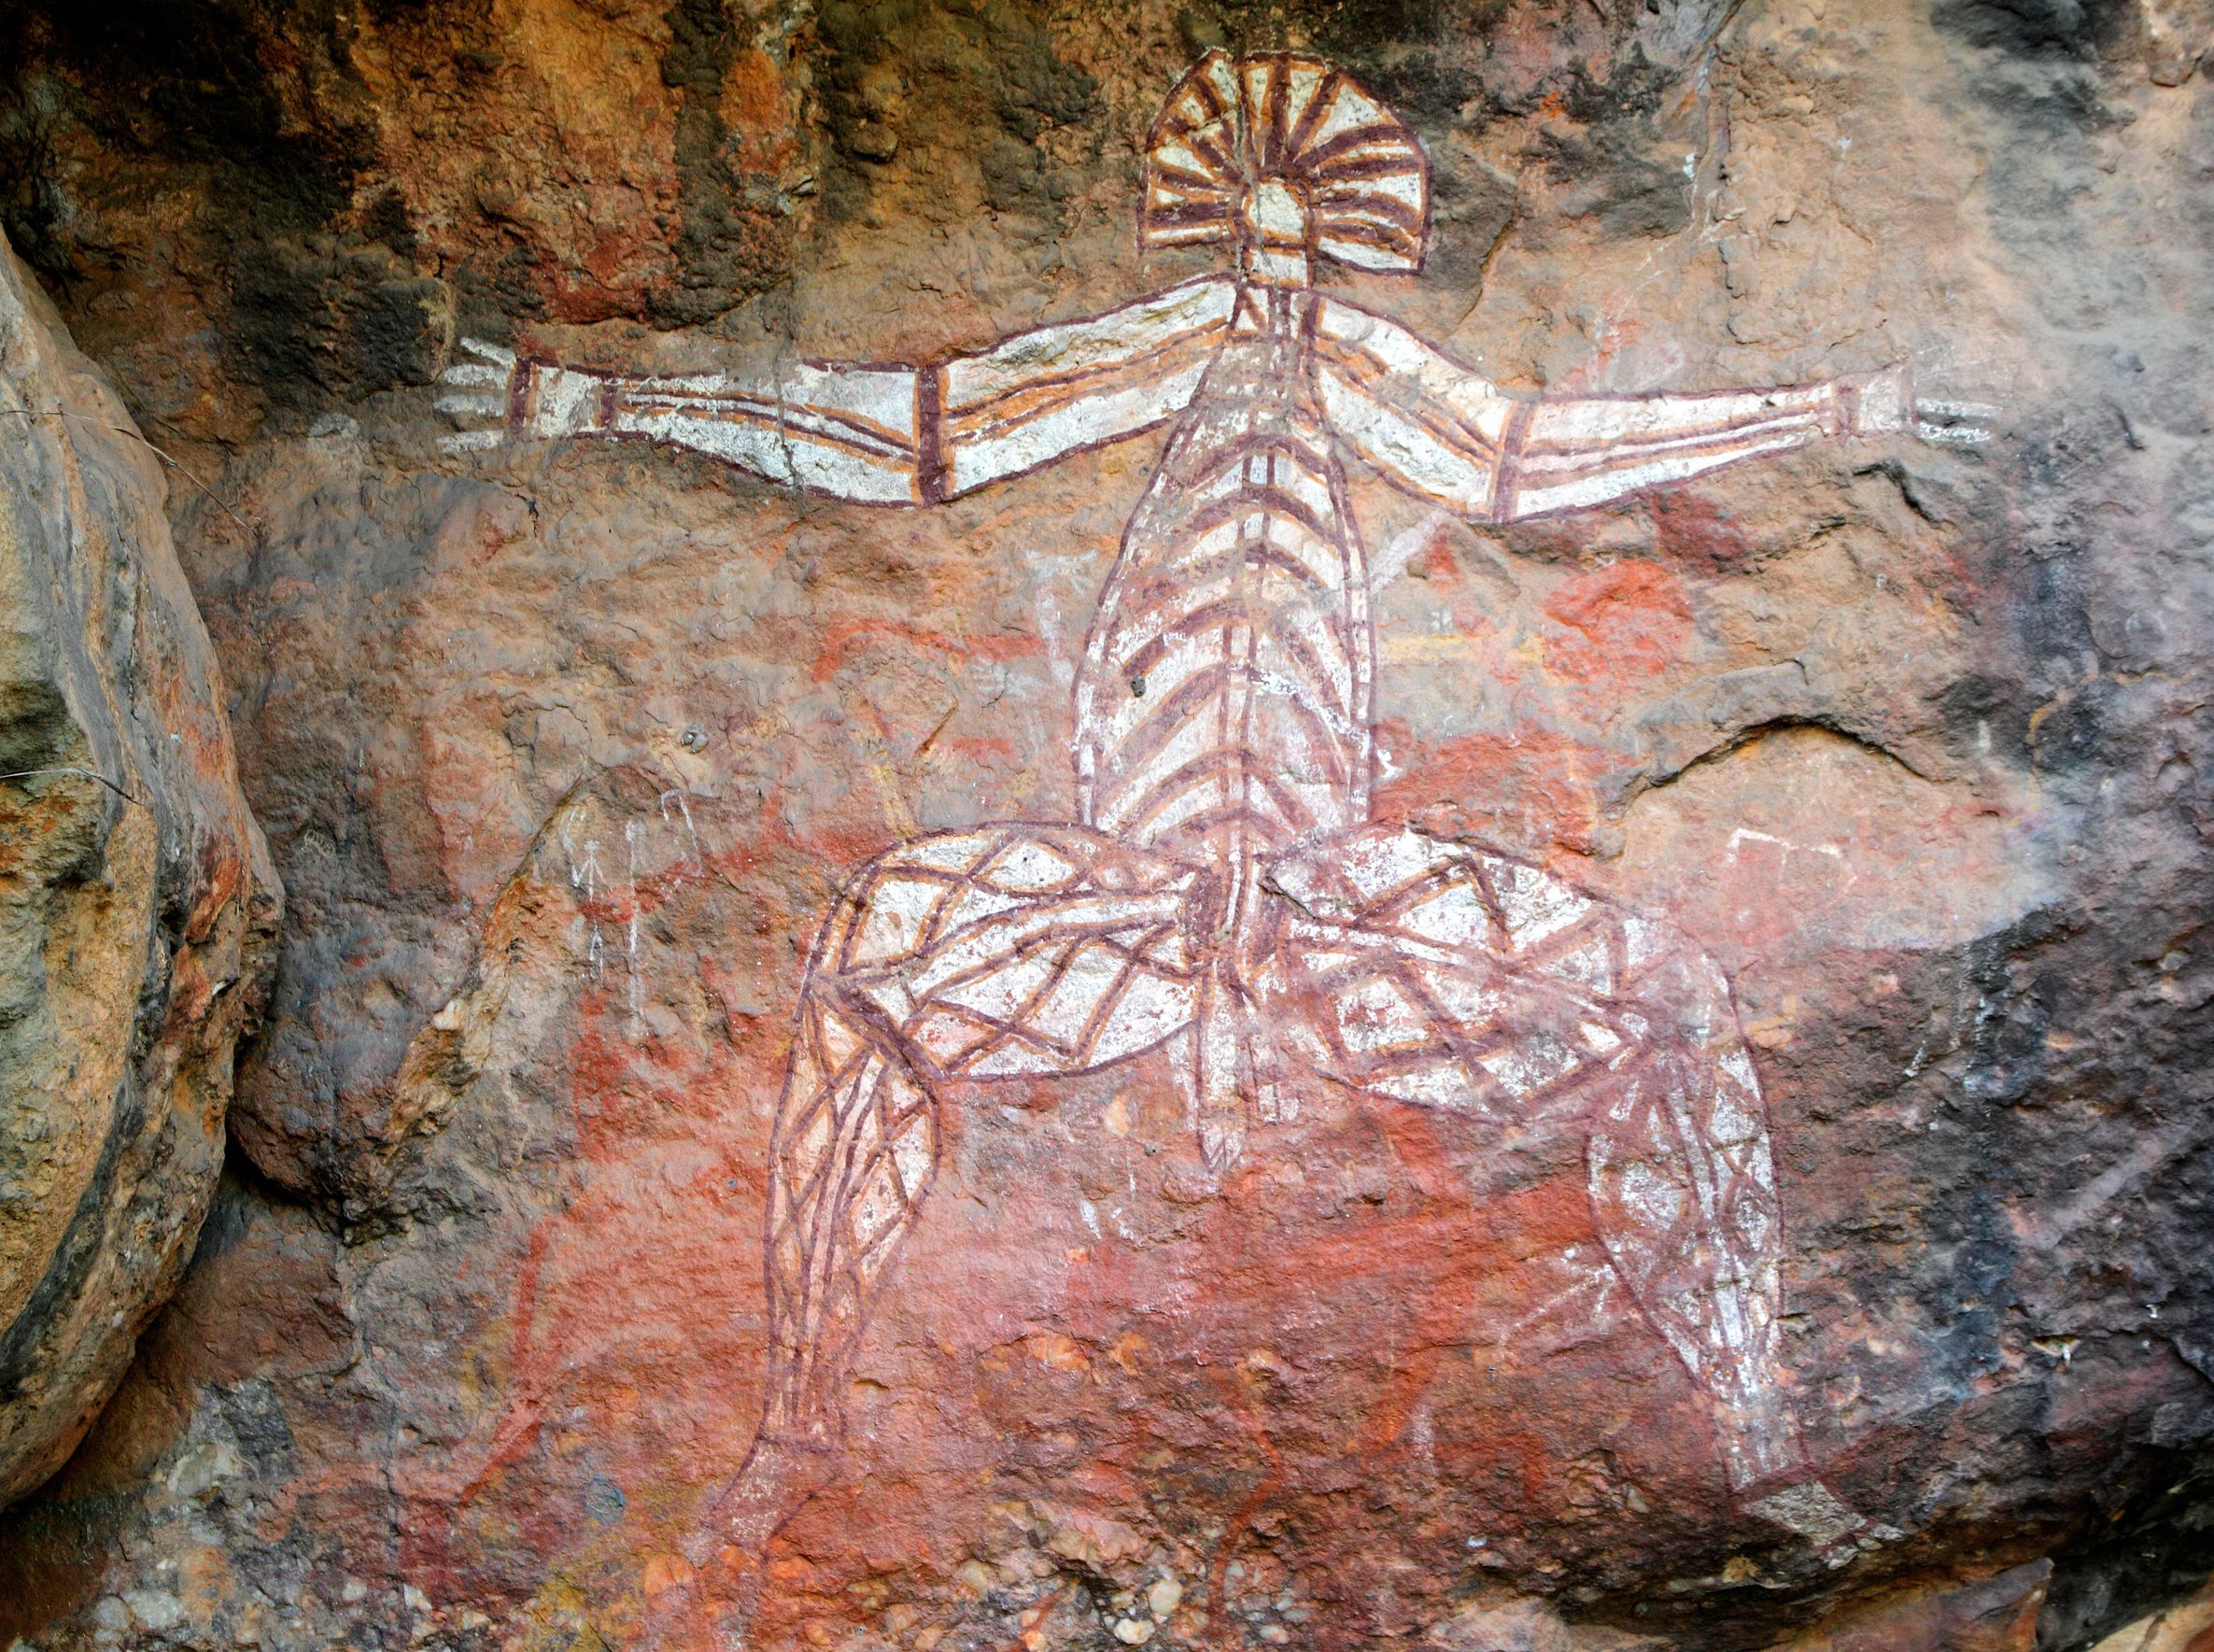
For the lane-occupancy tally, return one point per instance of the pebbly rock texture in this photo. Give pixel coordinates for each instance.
(137, 904)
(566, 749)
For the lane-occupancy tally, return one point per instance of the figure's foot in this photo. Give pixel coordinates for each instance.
(1810, 1510)
(710, 1601)
(782, 1472)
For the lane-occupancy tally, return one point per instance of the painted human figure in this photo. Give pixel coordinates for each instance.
(1223, 891)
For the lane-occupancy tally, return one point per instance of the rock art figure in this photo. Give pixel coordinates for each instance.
(1223, 891)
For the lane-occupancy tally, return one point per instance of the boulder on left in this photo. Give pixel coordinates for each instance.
(137, 900)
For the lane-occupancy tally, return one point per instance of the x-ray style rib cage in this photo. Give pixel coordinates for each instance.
(1223, 891)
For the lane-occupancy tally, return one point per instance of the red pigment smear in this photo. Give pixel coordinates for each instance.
(1618, 626)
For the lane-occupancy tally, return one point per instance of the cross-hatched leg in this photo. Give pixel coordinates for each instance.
(996, 954)
(1451, 977)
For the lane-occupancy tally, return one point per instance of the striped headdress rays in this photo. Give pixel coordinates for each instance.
(1285, 157)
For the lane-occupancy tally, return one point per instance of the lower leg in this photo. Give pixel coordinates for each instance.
(855, 1151)
(1683, 1194)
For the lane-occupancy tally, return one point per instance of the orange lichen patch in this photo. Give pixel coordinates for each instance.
(190, 990)
(664, 1572)
(37, 814)
(1056, 1352)
(757, 108)
(224, 875)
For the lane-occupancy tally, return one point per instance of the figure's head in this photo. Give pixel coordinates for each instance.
(1288, 160)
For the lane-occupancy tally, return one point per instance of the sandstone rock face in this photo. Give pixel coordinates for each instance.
(138, 905)
(571, 748)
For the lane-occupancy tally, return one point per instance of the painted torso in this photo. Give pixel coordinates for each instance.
(1222, 709)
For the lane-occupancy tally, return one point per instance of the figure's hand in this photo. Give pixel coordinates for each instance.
(476, 391)
(1885, 403)
(1953, 424)
(492, 397)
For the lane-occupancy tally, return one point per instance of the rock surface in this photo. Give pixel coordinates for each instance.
(565, 749)
(137, 904)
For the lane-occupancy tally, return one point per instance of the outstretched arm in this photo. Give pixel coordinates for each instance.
(887, 434)
(851, 431)
(1439, 429)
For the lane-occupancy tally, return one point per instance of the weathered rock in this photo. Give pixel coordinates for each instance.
(566, 749)
(2180, 1628)
(137, 904)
